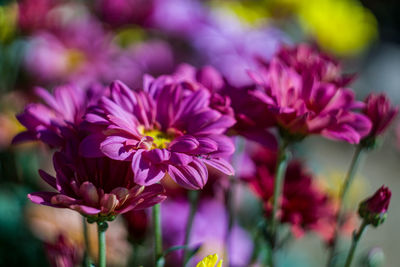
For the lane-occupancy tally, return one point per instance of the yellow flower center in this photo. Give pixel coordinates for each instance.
(210, 261)
(75, 58)
(160, 139)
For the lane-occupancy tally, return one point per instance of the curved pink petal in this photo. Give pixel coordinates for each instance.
(221, 165)
(193, 176)
(145, 172)
(185, 143)
(157, 156)
(43, 198)
(115, 147)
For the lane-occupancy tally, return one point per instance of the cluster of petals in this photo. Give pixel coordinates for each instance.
(303, 204)
(168, 126)
(307, 102)
(305, 59)
(98, 187)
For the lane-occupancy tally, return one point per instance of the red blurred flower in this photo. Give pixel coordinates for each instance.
(137, 224)
(62, 253)
(304, 205)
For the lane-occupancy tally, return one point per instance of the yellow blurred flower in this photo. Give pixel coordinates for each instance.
(210, 261)
(8, 21)
(333, 182)
(249, 12)
(343, 27)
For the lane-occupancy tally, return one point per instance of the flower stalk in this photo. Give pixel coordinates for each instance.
(193, 199)
(101, 234)
(281, 166)
(357, 157)
(86, 259)
(356, 239)
(158, 247)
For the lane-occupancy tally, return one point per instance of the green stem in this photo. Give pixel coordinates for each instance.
(356, 239)
(342, 199)
(278, 184)
(101, 233)
(87, 260)
(158, 249)
(193, 199)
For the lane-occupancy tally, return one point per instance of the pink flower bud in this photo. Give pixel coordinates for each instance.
(374, 209)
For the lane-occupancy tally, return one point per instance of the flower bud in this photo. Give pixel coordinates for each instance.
(373, 210)
(380, 111)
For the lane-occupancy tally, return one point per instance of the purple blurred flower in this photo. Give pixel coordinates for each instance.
(210, 212)
(99, 188)
(60, 115)
(219, 37)
(168, 127)
(380, 111)
(153, 56)
(302, 104)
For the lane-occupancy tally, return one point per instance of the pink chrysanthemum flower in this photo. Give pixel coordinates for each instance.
(98, 188)
(303, 104)
(168, 127)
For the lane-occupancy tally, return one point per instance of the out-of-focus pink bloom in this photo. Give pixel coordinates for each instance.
(380, 111)
(123, 12)
(373, 210)
(99, 188)
(304, 205)
(62, 55)
(167, 127)
(61, 113)
(301, 104)
(62, 253)
(212, 239)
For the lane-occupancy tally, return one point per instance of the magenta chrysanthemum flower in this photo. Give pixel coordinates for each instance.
(98, 188)
(168, 127)
(55, 120)
(380, 111)
(302, 104)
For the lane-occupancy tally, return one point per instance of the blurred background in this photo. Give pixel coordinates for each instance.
(49, 42)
